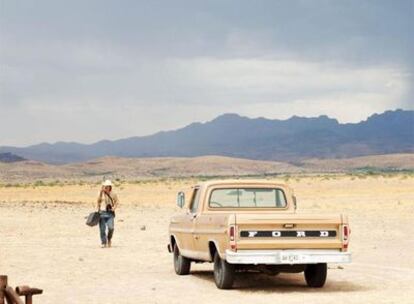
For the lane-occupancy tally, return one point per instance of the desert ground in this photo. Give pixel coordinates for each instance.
(45, 243)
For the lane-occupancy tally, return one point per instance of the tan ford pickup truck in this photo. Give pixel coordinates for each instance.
(253, 225)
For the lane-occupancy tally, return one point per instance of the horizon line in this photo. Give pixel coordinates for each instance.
(202, 122)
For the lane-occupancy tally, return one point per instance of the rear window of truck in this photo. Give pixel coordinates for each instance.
(247, 198)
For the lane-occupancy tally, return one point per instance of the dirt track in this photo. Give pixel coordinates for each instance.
(49, 246)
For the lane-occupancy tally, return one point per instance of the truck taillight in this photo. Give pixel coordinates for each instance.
(346, 233)
(345, 237)
(232, 238)
(232, 233)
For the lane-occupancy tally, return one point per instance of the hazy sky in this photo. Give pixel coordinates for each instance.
(84, 70)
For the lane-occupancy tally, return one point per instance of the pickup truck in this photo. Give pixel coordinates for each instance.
(245, 225)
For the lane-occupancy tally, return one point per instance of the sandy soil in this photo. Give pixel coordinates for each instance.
(46, 244)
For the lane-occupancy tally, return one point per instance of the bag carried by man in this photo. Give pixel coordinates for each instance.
(93, 219)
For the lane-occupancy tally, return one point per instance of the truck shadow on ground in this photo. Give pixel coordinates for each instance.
(249, 281)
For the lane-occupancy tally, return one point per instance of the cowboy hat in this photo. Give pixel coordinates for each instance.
(107, 183)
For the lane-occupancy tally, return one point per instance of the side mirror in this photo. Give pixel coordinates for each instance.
(180, 199)
(294, 202)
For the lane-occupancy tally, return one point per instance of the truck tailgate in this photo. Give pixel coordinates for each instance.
(288, 231)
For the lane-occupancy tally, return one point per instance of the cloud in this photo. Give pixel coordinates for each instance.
(284, 80)
(281, 88)
(132, 97)
(87, 71)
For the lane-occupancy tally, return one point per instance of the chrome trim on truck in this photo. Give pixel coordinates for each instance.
(290, 257)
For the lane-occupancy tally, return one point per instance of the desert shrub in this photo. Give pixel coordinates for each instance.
(286, 178)
(54, 183)
(39, 183)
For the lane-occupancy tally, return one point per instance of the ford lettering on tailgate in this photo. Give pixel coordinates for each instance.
(288, 233)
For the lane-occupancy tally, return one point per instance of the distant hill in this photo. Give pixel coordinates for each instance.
(140, 168)
(378, 163)
(232, 135)
(10, 158)
(203, 166)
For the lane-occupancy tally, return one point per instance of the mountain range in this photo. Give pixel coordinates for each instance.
(10, 158)
(292, 140)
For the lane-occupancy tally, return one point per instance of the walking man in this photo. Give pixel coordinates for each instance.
(107, 215)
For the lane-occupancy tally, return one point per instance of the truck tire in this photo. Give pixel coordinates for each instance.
(315, 275)
(182, 265)
(223, 273)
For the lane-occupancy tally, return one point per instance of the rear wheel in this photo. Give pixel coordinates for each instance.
(315, 275)
(223, 273)
(182, 265)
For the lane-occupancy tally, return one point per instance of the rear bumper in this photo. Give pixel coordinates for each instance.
(290, 257)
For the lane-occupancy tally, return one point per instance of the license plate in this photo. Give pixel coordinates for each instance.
(290, 257)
